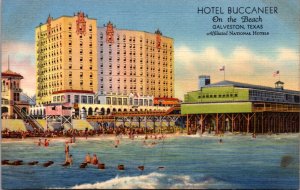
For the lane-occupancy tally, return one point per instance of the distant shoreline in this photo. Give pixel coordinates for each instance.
(138, 137)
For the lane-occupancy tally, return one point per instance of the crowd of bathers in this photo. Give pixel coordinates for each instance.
(99, 130)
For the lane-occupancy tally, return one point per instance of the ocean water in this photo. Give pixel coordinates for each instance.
(192, 162)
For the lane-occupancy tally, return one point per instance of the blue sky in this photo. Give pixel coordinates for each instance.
(250, 59)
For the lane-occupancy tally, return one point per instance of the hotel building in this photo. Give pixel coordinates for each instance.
(136, 62)
(66, 56)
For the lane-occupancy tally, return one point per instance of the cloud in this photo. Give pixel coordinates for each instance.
(242, 65)
(21, 60)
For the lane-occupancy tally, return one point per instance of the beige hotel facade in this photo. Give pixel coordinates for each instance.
(72, 54)
(135, 62)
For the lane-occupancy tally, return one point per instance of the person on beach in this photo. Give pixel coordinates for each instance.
(88, 158)
(95, 160)
(86, 133)
(67, 150)
(221, 141)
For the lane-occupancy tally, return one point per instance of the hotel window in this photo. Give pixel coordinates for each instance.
(69, 98)
(124, 101)
(146, 102)
(119, 101)
(108, 100)
(83, 99)
(141, 102)
(150, 103)
(54, 98)
(90, 100)
(114, 101)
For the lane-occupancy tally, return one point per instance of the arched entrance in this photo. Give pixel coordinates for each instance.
(90, 111)
(4, 110)
(108, 111)
(102, 111)
(96, 111)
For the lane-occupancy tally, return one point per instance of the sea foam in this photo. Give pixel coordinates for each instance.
(153, 181)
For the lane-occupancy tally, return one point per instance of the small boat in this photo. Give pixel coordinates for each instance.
(46, 164)
(33, 163)
(161, 167)
(101, 166)
(121, 167)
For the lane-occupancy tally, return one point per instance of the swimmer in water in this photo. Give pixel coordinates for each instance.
(67, 150)
(220, 141)
(40, 142)
(95, 160)
(117, 142)
(88, 158)
(46, 143)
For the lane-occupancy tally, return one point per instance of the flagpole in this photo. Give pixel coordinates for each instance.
(224, 73)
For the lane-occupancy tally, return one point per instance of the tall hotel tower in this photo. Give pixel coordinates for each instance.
(135, 62)
(66, 56)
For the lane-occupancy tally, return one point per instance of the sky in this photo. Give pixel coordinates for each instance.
(249, 59)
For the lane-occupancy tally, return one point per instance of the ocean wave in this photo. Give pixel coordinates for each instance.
(154, 181)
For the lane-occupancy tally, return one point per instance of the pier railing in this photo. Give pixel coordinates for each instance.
(274, 107)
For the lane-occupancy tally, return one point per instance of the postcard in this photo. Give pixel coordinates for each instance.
(198, 94)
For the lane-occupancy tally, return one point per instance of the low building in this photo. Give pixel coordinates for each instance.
(232, 97)
(11, 104)
(243, 107)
